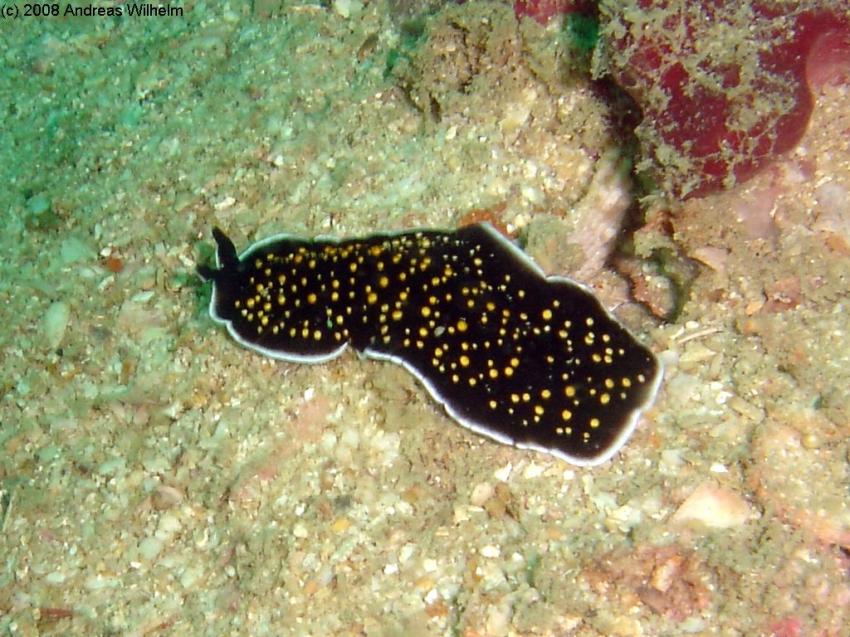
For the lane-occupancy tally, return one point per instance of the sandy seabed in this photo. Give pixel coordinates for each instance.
(156, 479)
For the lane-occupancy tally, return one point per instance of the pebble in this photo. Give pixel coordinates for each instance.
(149, 548)
(344, 7)
(490, 551)
(55, 323)
(481, 492)
(73, 250)
(55, 578)
(38, 204)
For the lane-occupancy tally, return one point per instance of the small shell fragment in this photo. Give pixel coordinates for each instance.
(714, 507)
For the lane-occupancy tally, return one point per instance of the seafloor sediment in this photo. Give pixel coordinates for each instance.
(157, 479)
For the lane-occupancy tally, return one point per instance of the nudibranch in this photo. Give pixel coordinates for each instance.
(528, 360)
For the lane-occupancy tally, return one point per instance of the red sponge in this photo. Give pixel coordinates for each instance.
(544, 10)
(722, 84)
